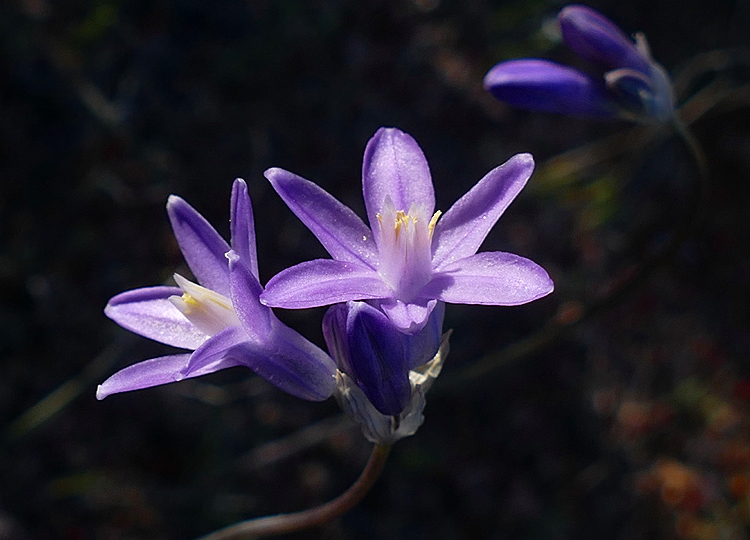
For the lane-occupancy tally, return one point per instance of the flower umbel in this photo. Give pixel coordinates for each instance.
(410, 257)
(221, 319)
(632, 84)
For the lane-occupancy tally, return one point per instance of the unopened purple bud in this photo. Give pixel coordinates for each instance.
(542, 85)
(593, 37)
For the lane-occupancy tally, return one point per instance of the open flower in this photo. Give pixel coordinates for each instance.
(632, 86)
(409, 258)
(222, 319)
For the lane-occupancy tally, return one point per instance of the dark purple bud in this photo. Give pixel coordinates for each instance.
(542, 85)
(379, 359)
(595, 38)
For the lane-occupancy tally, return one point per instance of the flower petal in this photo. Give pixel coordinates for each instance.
(593, 37)
(394, 166)
(425, 344)
(490, 278)
(344, 235)
(466, 224)
(380, 366)
(322, 282)
(245, 290)
(242, 226)
(149, 312)
(290, 362)
(542, 85)
(153, 372)
(409, 317)
(202, 247)
(207, 357)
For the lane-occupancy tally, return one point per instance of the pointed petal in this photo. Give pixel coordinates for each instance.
(202, 247)
(425, 344)
(466, 224)
(394, 166)
(381, 364)
(490, 278)
(206, 357)
(153, 372)
(149, 313)
(245, 290)
(334, 333)
(322, 282)
(291, 363)
(593, 37)
(541, 85)
(242, 226)
(344, 235)
(410, 317)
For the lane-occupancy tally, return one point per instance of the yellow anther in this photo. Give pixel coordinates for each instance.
(433, 222)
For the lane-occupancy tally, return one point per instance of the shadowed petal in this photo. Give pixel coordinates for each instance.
(424, 344)
(242, 226)
(149, 312)
(594, 37)
(394, 166)
(542, 85)
(213, 350)
(490, 278)
(344, 235)
(153, 372)
(245, 289)
(380, 364)
(322, 282)
(290, 362)
(466, 224)
(202, 247)
(408, 317)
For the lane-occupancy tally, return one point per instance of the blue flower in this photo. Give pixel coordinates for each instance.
(632, 84)
(221, 319)
(409, 259)
(384, 374)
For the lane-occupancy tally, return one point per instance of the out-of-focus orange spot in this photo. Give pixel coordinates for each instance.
(739, 485)
(680, 485)
(735, 455)
(691, 528)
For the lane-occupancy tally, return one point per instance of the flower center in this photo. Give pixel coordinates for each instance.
(208, 310)
(405, 248)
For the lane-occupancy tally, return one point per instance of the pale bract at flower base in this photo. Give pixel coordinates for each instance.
(222, 319)
(410, 257)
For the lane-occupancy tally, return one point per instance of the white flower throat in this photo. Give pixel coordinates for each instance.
(208, 310)
(405, 248)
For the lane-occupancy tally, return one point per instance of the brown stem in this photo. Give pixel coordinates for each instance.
(285, 523)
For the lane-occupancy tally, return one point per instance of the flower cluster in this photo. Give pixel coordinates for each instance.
(629, 83)
(387, 285)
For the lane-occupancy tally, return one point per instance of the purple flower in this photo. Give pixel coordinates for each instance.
(632, 84)
(410, 258)
(222, 319)
(383, 373)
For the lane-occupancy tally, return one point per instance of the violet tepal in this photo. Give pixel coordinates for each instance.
(221, 319)
(383, 374)
(630, 83)
(409, 258)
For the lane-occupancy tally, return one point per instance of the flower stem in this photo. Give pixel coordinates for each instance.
(285, 523)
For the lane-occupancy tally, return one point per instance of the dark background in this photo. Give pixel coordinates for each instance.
(634, 424)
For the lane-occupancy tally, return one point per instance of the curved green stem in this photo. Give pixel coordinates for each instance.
(296, 521)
